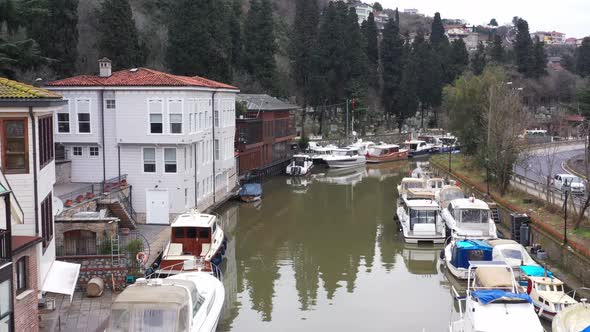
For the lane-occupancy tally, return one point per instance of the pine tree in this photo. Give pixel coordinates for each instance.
(303, 45)
(458, 60)
(523, 49)
(259, 43)
(478, 62)
(118, 38)
(392, 63)
(497, 50)
(539, 59)
(493, 22)
(199, 39)
(236, 33)
(583, 58)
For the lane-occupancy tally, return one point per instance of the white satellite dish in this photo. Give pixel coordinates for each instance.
(58, 206)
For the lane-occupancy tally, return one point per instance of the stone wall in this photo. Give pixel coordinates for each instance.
(98, 266)
(102, 228)
(63, 171)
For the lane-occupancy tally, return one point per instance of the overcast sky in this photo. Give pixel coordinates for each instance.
(569, 16)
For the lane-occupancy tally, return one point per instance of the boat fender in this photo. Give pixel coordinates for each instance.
(442, 254)
(141, 258)
(529, 287)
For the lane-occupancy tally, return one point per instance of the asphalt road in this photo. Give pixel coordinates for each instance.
(540, 165)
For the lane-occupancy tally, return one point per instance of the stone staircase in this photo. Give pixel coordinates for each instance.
(117, 209)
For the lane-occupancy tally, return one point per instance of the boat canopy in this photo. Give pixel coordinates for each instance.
(419, 193)
(486, 296)
(535, 271)
(450, 193)
(251, 189)
(494, 277)
(470, 250)
(511, 252)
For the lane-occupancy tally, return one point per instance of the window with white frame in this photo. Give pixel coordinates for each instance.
(149, 160)
(175, 115)
(185, 157)
(169, 160)
(63, 121)
(190, 122)
(216, 119)
(216, 147)
(156, 108)
(83, 115)
(77, 151)
(93, 151)
(110, 103)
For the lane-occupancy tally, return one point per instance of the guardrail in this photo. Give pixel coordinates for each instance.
(92, 190)
(554, 144)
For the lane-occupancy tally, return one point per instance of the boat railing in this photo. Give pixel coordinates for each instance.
(460, 299)
(179, 267)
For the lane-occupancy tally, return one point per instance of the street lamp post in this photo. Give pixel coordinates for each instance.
(565, 218)
(450, 152)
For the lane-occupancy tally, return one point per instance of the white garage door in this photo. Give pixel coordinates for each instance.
(157, 207)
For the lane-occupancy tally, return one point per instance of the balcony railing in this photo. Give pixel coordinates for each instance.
(92, 190)
(5, 250)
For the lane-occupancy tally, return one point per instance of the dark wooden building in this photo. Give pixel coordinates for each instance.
(265, 133)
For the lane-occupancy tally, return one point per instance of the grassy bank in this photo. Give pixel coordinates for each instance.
(545, 216)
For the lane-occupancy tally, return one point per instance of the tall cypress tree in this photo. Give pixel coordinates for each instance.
(392, 63)
(63, 45)
(583, 58)
(118, 38)
(355, 57)
(523, 48)
(259, 43)
(407, 98)
(371, 35)
(199, 39)
(478, 62)
(437, 35)
(539, 59)
(497, 50)
(303, 46)
(236, 33)
(458, 59)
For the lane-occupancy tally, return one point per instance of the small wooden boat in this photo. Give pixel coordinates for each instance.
(386, 152)
(251, 192)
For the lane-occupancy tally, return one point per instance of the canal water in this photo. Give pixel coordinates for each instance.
(324, 254)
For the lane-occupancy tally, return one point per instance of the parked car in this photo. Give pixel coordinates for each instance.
(568, 182)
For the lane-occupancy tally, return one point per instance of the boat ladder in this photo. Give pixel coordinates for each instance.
(496, 216)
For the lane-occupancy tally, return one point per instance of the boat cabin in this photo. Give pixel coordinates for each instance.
(448, 140)
(449, 193)
(435, 184)
(416, 145)
(419, 193)
(428, 139)
(412, 183)
(345, 152)
(380, 150)
(545, 289)
(300, 159)
(157, 305)
(423, 213)
(511, 252)
(464, 251)
(469, 210)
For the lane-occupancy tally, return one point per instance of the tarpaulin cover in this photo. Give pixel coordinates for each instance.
(62, 278)
(587, 329)
(535, 271)
(470, 250)
(251, 189)
(486, 296)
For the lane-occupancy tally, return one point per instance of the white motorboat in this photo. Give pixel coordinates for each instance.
(318, 153)
(300, 165)
(574, 318)
(188, 302)
(435, 185)
(409, 183)
(469, 218)
(346, 157)
(418, 148)
(197, 242)
(362, 146)
(420, 221)
(458, 254)
(545, 289)
(494, 302)
(512, 253)
(447, 144)
(447, 194)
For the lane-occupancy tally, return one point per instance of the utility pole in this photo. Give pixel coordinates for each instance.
(346, 121)
(565, 218)
(450, 152)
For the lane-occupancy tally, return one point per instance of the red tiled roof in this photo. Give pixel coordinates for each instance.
(22, 241)
(575, 118)
(140, 77)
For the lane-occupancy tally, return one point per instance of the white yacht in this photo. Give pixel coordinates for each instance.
(196, 243)
(318, 153)
(458, 253)
(574, 318)
(300, 165)
(409, 183)
(494, 302)
(346, 157)
(420, 221)
(418, 148)
(362, 146)
(447, 194)
(469, 218)
(188, 302)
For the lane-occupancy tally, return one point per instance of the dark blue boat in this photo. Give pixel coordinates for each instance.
(459, 253)
(251, 192)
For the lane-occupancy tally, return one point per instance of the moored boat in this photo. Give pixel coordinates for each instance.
(574, 318)
(386, 152)
(409, 183)
(494, 302)
(318, 153)
(196, 243)
(345, 158)
(512, 253)
(458, 254)
(469, 218)
(189, 302)
(300, 165)
(420, 221)
(418, 148)
(250, 192)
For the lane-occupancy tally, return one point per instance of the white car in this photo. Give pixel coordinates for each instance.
(569, 182)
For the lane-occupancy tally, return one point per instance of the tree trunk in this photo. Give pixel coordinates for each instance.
(422, 115)
(321, 126)
(303, 118)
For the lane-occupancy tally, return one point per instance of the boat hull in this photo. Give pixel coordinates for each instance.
(250, 199)
(345, 163)
(420, 153)
(387, 158)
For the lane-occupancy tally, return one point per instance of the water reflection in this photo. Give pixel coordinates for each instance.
(322, 253)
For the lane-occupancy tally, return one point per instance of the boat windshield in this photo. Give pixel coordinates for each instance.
(447, 141)
(341, 153)
(300, 161)
(149, 317)
(475, 216)
(512, 254)
(413, 185)
(422, 217)
(414, 146)
(376, 151)
(192, 232)
(451, 194)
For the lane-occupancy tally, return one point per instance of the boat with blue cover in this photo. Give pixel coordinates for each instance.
(546, 291)
(457, 255)
(494, 302)
(250, 192)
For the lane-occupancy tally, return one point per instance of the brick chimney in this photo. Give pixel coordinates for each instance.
(104, 66)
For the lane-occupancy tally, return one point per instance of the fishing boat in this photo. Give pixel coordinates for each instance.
(418, 148)
(386, 152)
(318, 153)
(469, 218)
(458, 253)
(420, 221)
(345, 158)
(196, 243)
(250, 192)
(188, 302)
(545, 289)
(494, 302)
(300, 165)
(573, 318)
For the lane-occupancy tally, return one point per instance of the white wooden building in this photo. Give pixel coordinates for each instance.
(173, 136)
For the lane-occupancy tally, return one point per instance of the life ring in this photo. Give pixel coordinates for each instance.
(141, 258)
